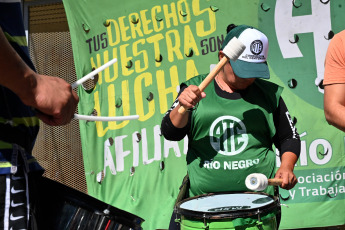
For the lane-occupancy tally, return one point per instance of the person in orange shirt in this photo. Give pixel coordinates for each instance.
(334, 82)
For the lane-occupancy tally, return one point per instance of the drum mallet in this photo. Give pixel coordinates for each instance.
(259, 182)
(232, 51)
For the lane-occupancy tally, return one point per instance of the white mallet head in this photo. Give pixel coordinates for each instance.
(256, 181)
(234, 49)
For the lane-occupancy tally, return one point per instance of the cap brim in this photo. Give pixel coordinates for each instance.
(245, 69)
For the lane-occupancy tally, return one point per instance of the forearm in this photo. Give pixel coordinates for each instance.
(53, 97)
(286, 138)
(336, 117)
(288, 161)
(188, 97)
(285, 171)
(171, 131)
(179, 120)
(15, 74)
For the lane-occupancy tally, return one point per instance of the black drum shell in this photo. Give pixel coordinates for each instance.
(60, 207)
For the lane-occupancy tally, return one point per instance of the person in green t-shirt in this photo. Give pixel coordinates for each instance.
(233, 125)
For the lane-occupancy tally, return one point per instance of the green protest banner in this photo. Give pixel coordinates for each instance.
(158, 45)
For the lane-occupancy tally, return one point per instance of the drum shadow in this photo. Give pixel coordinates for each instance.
(257, 126)
(263, 109)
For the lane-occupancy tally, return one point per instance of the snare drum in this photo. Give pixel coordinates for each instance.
(63, 208)
(228, 211)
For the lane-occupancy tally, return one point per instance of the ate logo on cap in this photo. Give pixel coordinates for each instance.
(256, 47)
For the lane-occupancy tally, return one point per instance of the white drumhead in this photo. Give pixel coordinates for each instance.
(227, 202)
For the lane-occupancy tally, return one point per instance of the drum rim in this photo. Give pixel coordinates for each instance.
(227, 214)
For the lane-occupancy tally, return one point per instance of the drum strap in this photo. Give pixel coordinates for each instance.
(184, 190)
(276, 191)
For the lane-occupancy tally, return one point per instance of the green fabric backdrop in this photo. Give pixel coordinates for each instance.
(159, 44)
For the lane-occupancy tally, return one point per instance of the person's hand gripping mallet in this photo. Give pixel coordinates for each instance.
(232, 51)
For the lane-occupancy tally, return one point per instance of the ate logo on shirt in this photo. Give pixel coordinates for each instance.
(228, 135)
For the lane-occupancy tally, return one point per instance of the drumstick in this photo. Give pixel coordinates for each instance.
(259, 182)
(93, 73)
(275, 181)
(99, 118)
(232, 51)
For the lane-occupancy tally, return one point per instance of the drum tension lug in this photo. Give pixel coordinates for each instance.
(205, 223)
(259, 222)
(177, 218)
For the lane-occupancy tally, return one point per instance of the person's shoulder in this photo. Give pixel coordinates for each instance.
(196, 80)
(266, 83)
(338, 38)
(341, 34)
(268, 87)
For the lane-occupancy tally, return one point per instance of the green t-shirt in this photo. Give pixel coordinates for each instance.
(231, 138)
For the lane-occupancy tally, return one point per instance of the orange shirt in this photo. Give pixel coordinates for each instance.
(335, 60)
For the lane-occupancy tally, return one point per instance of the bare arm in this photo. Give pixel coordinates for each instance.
(334, 105)
(285, 171)
(188, 98)
(52, 96)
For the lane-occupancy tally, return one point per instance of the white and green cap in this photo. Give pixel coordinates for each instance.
(252, 62)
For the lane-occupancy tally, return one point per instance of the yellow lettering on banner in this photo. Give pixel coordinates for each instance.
(135, 27)
(124, 60)
(113, 26)
(111, 101)
(123, 29)
(171, 49)
(191, 70)
(157, 25)
(125, 99)
(139, 101)
(112, 125)
(200, 25)
(184, 19)
(107, 70)
(170, 15)
(99, 125)
(136, 53)
(115, 67)
(107, 76)
(145, 22)
(189, 41)
(112, 105)
(163, 91)
(155, 40)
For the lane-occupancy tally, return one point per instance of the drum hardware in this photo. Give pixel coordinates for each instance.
(205, 223)
(106, 212)
(259, 222)
(223, 210)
